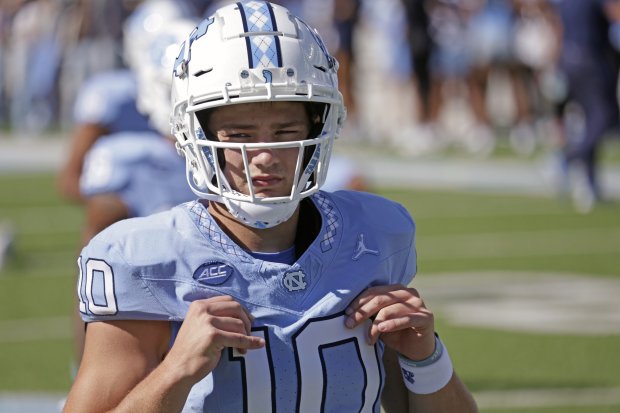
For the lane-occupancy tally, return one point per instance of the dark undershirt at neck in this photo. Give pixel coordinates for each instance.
(308, 226)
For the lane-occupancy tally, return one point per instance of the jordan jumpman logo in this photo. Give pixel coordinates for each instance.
(361, 248)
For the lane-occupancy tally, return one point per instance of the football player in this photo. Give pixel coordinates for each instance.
(136, 171)
(267, 294)
(106, 102)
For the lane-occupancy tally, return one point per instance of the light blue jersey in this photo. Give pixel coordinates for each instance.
(109, 99)
(152, 268)
(142, 168)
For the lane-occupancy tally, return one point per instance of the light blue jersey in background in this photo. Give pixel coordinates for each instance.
(142, 168)
(109, 99)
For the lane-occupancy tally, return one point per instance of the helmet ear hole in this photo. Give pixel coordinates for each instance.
(317, 114)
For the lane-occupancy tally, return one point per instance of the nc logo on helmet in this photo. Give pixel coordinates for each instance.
(331, 61)
(185, 54)
(268, 76)
(213, 273)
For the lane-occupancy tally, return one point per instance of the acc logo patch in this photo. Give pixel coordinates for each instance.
(213, 273)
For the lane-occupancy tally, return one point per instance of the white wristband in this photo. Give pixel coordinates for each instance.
(423, 377)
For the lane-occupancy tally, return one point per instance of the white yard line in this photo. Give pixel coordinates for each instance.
(538, 302)
(537, 398)
(31, 402)
(504, 399)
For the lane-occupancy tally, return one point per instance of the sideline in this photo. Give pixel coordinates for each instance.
(532, 177)
(535, 398)
(509, 176)
(31, 402)
(32, 154)
(504, 399)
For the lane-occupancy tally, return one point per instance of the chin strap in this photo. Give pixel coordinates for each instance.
(260, 216)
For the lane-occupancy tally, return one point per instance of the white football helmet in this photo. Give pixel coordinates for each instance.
(254, 52)
(152, 36)
(146, 21)
(154, 79)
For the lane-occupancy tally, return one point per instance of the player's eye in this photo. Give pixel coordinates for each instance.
(228, 136)
(289, 134)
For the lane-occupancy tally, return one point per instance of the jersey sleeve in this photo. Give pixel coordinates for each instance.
(143, 269)
(109, 288)
(105, 168)
(108, 99)
(135, 270)
(141, 168)
(410, 256)
(94, 105)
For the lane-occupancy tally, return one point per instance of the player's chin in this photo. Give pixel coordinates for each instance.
(271, 192)
(274, 194)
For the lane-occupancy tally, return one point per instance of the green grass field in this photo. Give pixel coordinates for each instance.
(457, 232)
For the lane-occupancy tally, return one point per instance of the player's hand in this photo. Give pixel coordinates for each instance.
(68, 182)
(399, 317)
(210, 326)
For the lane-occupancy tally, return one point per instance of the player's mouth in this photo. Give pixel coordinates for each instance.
(266, 184)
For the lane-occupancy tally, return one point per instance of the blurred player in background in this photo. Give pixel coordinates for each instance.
(134, 170)
(267, 293)
(137, 173)
(106, 103)
(345, 173)
(590, 61)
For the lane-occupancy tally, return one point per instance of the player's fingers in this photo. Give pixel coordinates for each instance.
(373, 334)
(369, 293)
(398, 318)
(236, 310)
(229, 324)
(231, 332)
(418, 321)
(410, 305)
(388, 321)
(226, 306)
(241, 341)
(394, 292)
(368, 310)
(370, 305)
(409, 313)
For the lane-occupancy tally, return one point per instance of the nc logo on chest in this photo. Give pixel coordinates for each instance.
(294, 280)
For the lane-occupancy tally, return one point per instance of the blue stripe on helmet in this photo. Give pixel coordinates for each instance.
(263, 51)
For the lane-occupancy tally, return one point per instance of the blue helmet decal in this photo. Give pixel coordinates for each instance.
(268, 76)
(181, 60)
(263, 51)
(331, 61)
